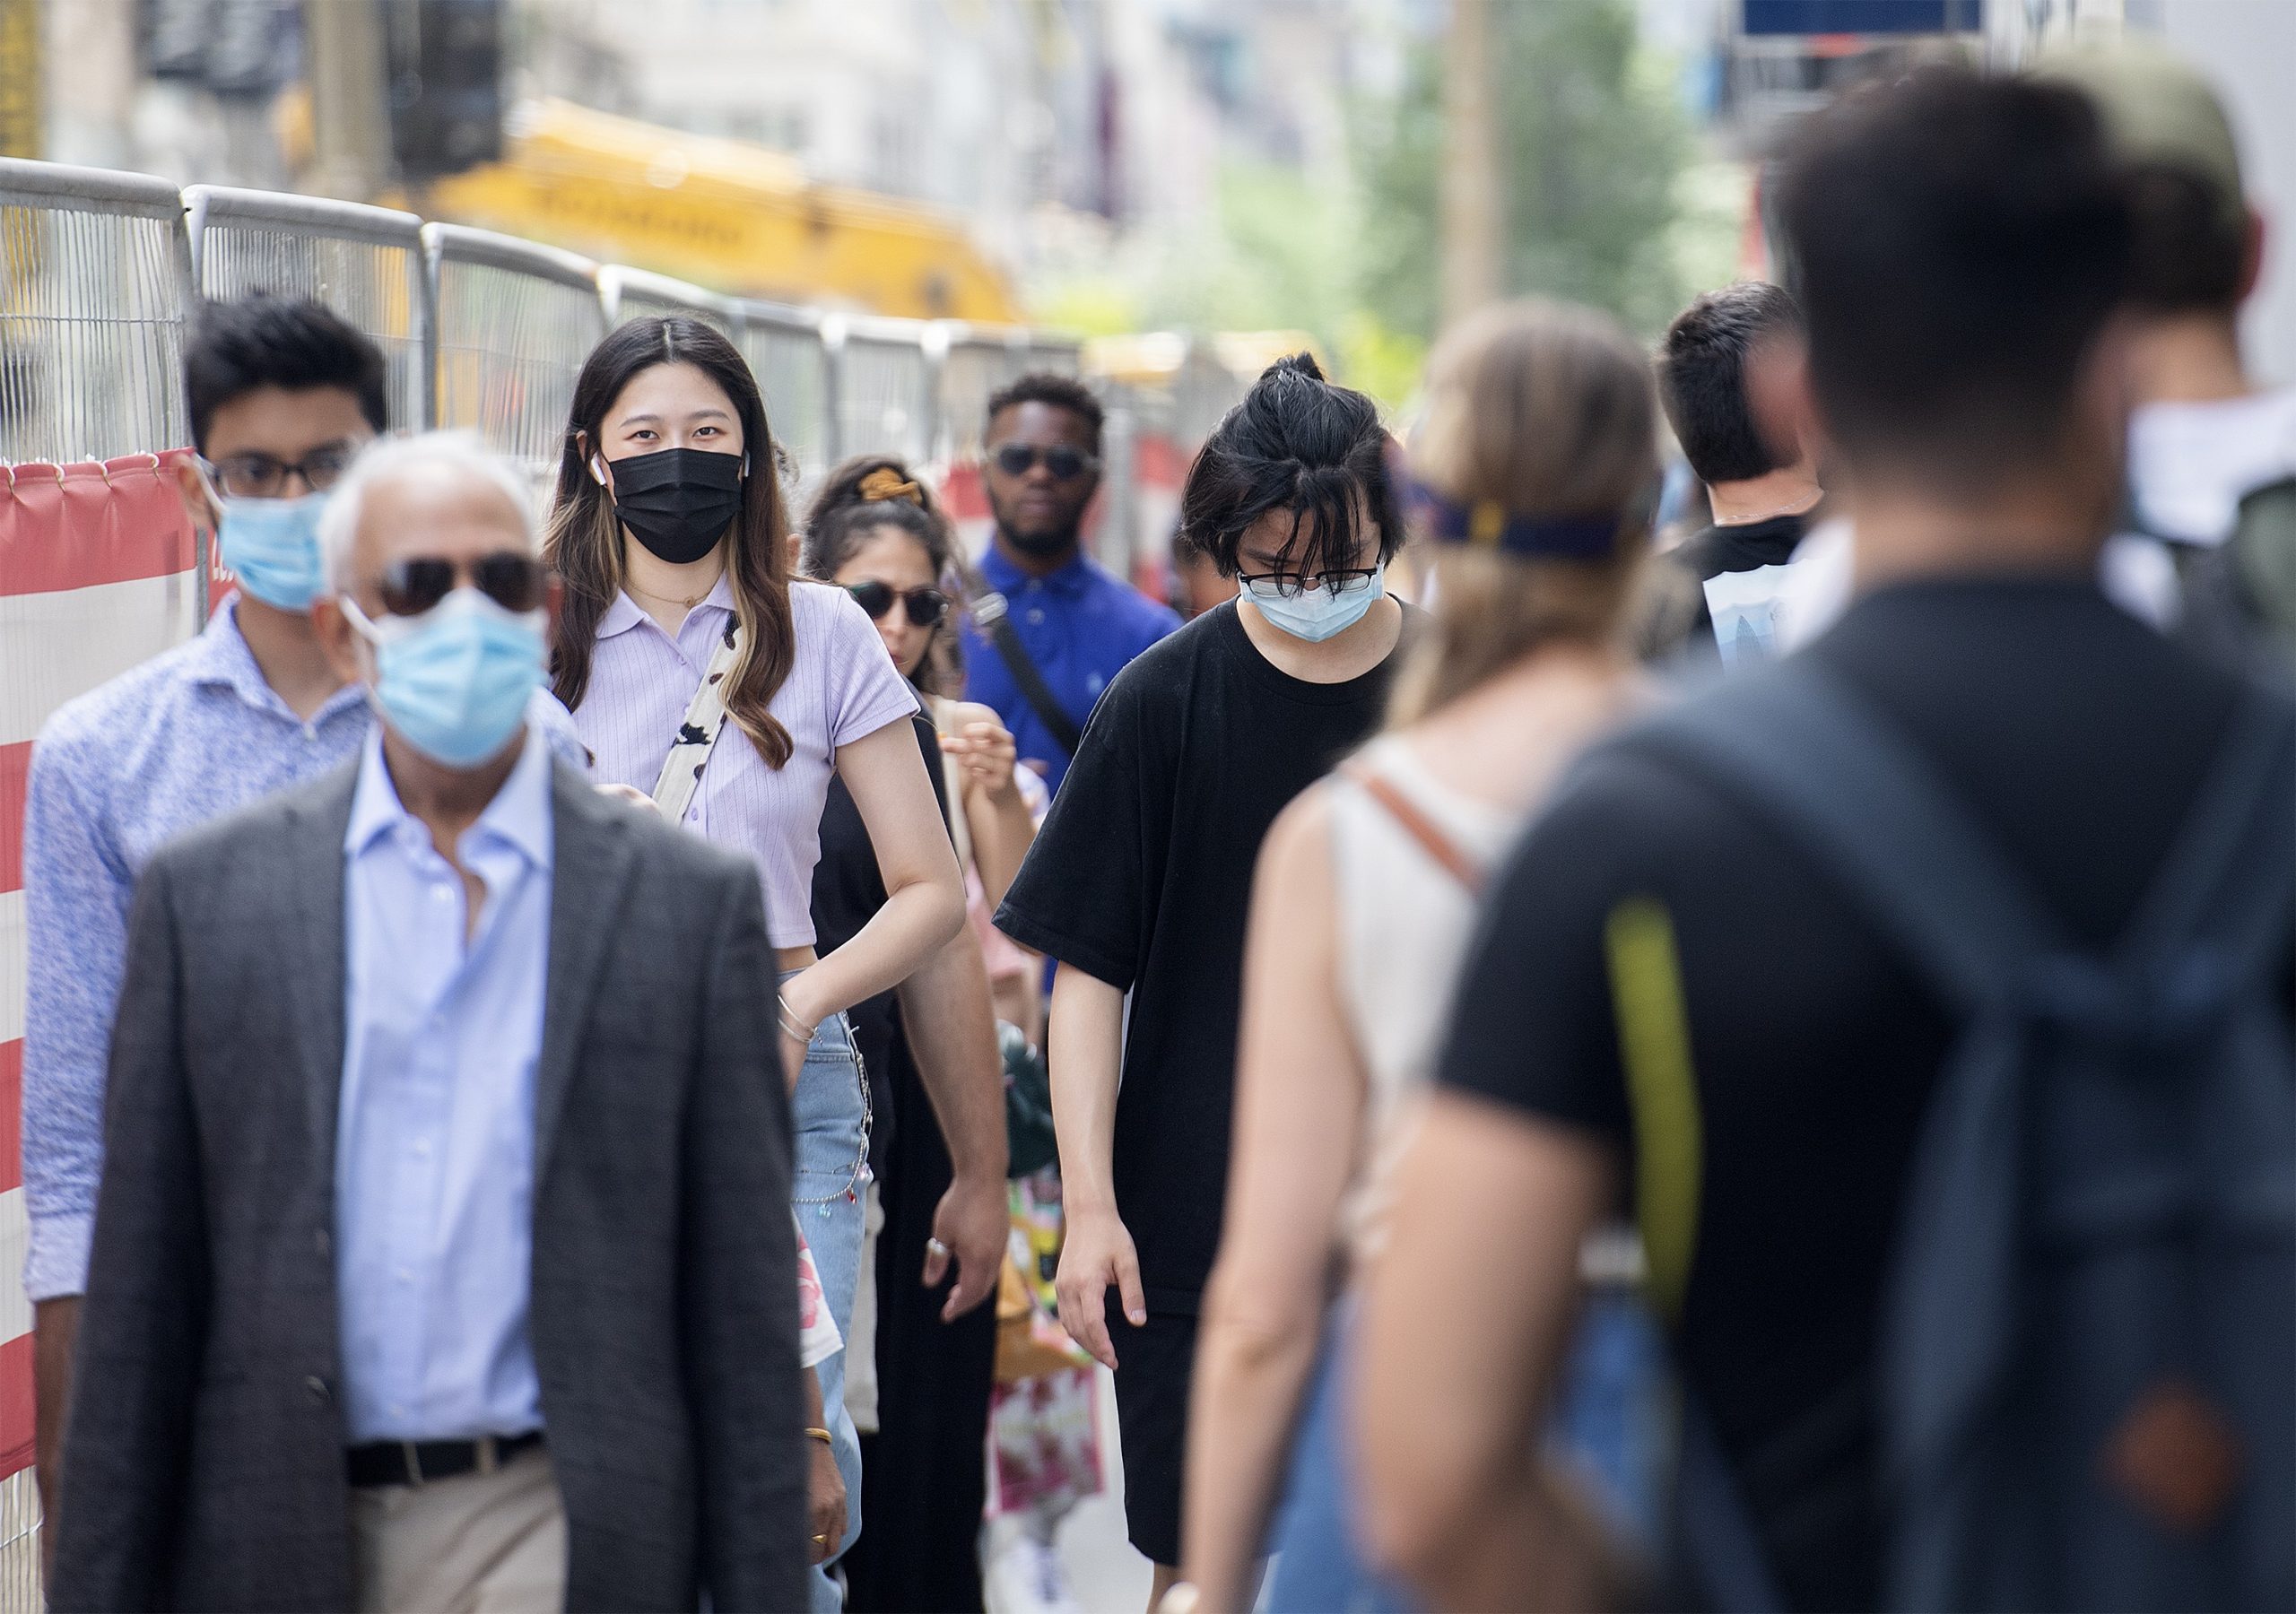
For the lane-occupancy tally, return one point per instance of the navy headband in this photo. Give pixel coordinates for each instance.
(1486, 524)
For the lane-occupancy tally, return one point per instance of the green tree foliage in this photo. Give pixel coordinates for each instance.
(1592, 146)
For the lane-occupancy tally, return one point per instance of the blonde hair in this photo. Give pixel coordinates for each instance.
(1545, 410)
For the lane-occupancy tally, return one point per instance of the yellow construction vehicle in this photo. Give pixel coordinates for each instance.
(722, 213)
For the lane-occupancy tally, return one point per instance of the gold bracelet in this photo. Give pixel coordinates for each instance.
(822, 1436)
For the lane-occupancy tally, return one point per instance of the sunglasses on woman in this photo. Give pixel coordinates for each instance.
(1066, 463)
(413, 585)
(927, 606)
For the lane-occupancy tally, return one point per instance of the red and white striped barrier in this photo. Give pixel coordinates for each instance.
(98, 572)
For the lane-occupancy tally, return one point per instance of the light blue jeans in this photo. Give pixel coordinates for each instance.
(1609, 1422)
(830, 1112)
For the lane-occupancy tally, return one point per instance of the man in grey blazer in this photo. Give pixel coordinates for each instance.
(441, 1257)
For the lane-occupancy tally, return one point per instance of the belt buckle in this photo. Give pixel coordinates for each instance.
(489, 1454)
(412, 1455)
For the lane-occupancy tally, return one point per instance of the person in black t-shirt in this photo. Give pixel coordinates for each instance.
(1140, 878)
(1720, 353)
(1961, 244)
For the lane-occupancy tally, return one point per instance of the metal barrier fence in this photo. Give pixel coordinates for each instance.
(95, 284)
(365, 263)
(975, 364)
(515, 322)
(628, 293)
(99, 271)
(884, 399)
(787, 354)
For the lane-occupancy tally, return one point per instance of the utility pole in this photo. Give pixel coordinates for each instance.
(349, 119)
(1474, 202)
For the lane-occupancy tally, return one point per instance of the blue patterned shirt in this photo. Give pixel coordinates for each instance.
(186, 737)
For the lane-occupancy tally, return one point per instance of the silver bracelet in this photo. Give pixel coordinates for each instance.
(791, 1026)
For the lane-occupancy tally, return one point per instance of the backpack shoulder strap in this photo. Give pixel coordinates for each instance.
(2232, 872)
(1809, 755)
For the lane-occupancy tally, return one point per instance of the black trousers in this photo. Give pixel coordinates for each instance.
(922, 1474)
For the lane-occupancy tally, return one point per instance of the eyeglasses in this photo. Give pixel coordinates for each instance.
(1291, 585)
(1066, 463)
(414, 584)
(927, 606)
(260, 476)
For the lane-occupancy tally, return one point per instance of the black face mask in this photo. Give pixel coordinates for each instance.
(677, 502)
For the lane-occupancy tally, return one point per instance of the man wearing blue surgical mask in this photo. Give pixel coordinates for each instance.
(447, 1112)
(283, 396)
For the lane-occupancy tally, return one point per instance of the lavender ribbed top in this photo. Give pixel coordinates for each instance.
(841, 686)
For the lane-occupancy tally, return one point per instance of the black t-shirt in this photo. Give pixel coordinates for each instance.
(1142, 876)
(1676, 619)
(2078, 739)
(847, 891)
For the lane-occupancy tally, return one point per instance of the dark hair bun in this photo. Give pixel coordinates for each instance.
(1302, 363)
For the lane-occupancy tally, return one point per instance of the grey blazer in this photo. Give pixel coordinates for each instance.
(203, 1462)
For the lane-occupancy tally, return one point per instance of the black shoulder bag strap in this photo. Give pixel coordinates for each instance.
(990, 613)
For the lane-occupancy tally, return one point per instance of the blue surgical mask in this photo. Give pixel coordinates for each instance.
(454, 682)
(272, 545)
(1316, 615)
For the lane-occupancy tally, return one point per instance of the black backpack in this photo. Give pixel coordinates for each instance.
(2086, 1395)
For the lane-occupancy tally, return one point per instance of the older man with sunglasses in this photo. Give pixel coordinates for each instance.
(283, 396)
(437, 1262)
(1055, 626)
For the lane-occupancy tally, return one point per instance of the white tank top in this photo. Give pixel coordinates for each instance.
(1404, 915)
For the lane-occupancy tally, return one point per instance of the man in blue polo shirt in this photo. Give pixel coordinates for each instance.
(1069, 624)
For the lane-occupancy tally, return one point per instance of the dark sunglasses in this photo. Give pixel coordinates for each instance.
(513, 581)
(927, 606)
(260, 476)
(1066, 463)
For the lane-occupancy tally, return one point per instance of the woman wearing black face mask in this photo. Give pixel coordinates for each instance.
(682, 633)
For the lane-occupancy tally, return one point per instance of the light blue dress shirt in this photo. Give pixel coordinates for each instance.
(117, 773)
(435, 1140)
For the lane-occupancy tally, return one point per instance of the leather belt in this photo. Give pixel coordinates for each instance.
(420, 1461)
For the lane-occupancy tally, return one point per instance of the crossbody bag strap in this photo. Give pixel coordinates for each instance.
(991, 614)
(697, 735)
(1414, 820)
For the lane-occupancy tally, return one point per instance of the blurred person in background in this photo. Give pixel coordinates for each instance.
(1724, 962)
(699, 671)
(1196, 583)
(2205, 435)
(440, 1262)
(921, 1364)
(1539, 439)
(1761, 480)
(283, 396)
(1052, 626)
(1140, 878)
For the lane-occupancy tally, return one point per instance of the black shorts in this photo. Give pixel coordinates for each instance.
(1155, 1364)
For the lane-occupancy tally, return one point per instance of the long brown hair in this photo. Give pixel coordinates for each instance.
(860, 499)
(584, 540)
(1542, 409)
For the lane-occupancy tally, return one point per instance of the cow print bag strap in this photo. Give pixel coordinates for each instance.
(696, 736)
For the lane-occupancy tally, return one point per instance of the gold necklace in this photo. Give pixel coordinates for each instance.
(671, 599)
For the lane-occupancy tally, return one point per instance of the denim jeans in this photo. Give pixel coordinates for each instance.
(830, 1113)
(1609, 1424)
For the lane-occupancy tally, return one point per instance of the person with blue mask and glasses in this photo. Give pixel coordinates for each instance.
(283, 394)
(443, 1232)
(1139, 881)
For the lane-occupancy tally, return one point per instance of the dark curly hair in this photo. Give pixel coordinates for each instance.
(1296, 443)
(1043, 387)
(843, 518)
